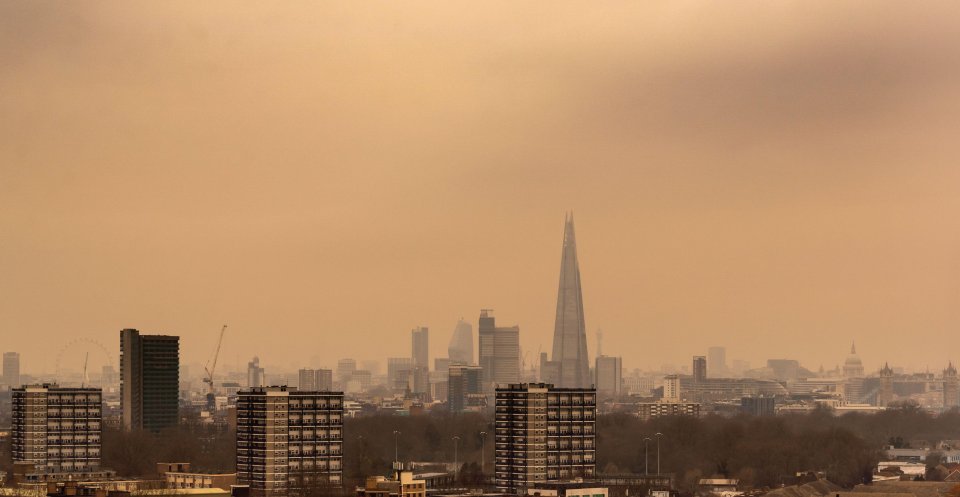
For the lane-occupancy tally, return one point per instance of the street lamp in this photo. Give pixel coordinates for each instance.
(456, 466)
(646, 456)
(396, 450)
(658, 435)
(483, 446)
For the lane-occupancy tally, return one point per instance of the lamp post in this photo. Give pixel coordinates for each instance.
(658, 435)
(396, 449)
(646, 456)
(483, 451)
(456, 465)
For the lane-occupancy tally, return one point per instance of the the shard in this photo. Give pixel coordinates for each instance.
(570, 367)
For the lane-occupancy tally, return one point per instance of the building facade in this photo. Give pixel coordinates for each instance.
(650, 410)
(609, 377)
(951, 387)
(543, 434)
(420, 347)
(465, 388)
(316, 379)
(717, 360)
(499, 352)
(11, 369)
(885, 394)
(460, 350)
(149, 380)
(699, 368)
(57, 430)
(288, 439)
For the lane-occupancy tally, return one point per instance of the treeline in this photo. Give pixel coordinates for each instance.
(761, 451)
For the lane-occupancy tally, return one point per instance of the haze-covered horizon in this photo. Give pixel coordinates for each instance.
(779, 178)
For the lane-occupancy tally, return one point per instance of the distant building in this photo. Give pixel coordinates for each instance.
(11, 369)
(650, 410)
(717, 361)
(403, 484)
(316, 380)
(465, 388)
(178, 476)
(671, 388)
(288, 440)
(420, 347)
(345, 369)
(609, 376)
(499, 352)
(951, 387)
(569, 366)
(543, 434)
(699, 368)
(885, 394)
(399, 374)
(149, 380)
(56, 430)
(784, 369)
(853, 366)
(758, 406)
(255, 374)
(460, 349)
(568, 489)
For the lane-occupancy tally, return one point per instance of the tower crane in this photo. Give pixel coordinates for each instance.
(211, 397)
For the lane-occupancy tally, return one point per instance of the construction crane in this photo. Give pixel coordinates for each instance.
(86, 380)
(211, 397)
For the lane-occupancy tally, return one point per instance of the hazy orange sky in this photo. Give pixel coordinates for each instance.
(779, 177)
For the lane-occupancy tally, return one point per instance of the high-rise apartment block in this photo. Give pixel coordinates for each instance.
(499, 352)
(465, 388)
(460, 350)
(420, 347)
(671, 388)
(569, 366)
(543, 434)
(149, 380)
(289, 440)
(699, 368)
(609, 373)
(11, 369)
(57, 430)
(316, 379)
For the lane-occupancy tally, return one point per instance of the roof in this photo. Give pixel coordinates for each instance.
(718, 481)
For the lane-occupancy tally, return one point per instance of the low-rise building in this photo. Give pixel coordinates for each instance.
(403, 484)
(650, 410)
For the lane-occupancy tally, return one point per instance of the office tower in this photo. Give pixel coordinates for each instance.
(316, 380)
(671, 388)
(609, 373)
(442, 364)
(149, 380)
(399, 374)
(543, 434)
(288, 440)
(571, 369)
(951, 387)
(885, 394)
(57, 430)
(464, 387)
(758, 406)
(717, 361)
(499, 352)
(460, 349)
(699, 368)
(11, 369)
(345, 369)
(372, 366)
(420, 347)
(255, 374)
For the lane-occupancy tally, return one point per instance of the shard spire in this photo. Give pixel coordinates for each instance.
(569, 332)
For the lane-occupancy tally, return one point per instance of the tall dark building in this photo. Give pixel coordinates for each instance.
(544, 434)
(149, 380)
(885, 394)
(758, 406)
(464, 387)
(570, 368)
(499, 352)
(420, 347)
(11, 369)
(699, 368)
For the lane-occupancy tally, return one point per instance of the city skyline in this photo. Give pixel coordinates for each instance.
(784, 172)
